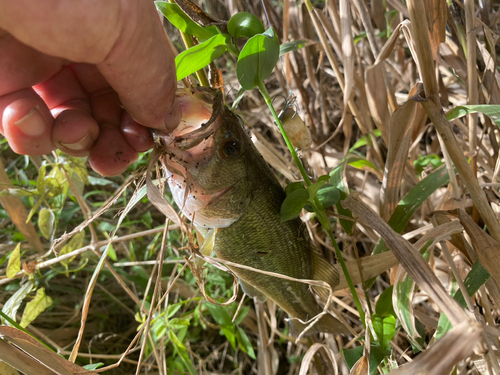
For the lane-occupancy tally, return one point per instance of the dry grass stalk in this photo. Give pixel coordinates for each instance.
(411, 260)
(442, 357)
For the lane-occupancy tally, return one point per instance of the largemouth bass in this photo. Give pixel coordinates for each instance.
(221, 182)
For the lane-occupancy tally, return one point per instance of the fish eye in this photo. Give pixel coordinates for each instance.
(230, 149)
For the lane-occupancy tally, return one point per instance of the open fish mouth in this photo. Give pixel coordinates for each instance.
(193, 142)
(190, 146)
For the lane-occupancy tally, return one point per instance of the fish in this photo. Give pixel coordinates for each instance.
(225, 187)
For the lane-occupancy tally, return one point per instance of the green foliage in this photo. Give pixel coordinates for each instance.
(35, 307)
(199, 56)
(244, 25)
(14, 264)
(185, 24)
(424, 161)
(257, 59)
(293, 204)
(490, 110)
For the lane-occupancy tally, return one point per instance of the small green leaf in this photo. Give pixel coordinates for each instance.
(14, 264)
(424, 160)
(328, 195)
(183, 353)
(74, 243)
(219, 313)
(230, 332)
(385, 328)
(361, 164)
(313, 189)
(291, 46)
(384, 303)
(185, 24)
(199, 56)
(363, 141)
(46, 219)
(490, 110)
(293, 204)
(377, 355)
(290, 188)
(245, 343)
(257, 59)
(244, 25)
(12, 305)
(93, 366)
(337, 181)
(35, 307)
(474, 280)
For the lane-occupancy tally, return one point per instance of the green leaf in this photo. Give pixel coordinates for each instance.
(74, 243)
(363, 141)
(337, 181)
(474, 280)
(185, 24)
(14, 264)
(415, 197)
(328, 195)
(230, 333)
(93, 366)
(257, 59)
(245, 343)
(313, 189)
(377, 355)
(183, 353)
(112, 253)
(219, 313)
(242, 314)
(199, 56)
(384, 305)
(361, 164)
(12, 305)
(490, 110)
(46, 219)
(291, 46)
(35, 307)
(293, 204)
(352, 356)
(385, 328)
(290, 188)
(244, 25)
(424, 160)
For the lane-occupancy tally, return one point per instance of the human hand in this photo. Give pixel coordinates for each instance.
(68, 67)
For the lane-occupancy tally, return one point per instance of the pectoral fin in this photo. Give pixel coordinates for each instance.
(252, 291)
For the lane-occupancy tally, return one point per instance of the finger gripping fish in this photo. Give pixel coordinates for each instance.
(222, 183)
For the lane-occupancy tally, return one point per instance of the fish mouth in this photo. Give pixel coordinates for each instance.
(195, 145)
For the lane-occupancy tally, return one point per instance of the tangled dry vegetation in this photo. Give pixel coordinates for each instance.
(374, 85)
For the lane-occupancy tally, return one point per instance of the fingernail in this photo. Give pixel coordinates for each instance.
(82, 144)
(173, 118)
(32, 124)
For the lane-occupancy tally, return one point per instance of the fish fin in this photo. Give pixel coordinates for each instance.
(327, 323)
(208, 244)
(323, 270)
(252, 291)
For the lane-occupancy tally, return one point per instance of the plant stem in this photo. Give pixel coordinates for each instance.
(318, 208)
